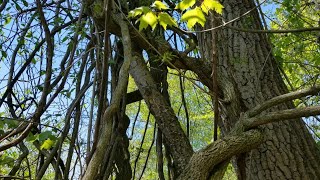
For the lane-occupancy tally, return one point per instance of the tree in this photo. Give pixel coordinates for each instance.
(246, 61)
(261, 132)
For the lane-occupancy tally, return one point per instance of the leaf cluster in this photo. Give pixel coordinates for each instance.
(191, 14)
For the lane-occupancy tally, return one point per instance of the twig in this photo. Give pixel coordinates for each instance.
(141, 144)
(148, 155)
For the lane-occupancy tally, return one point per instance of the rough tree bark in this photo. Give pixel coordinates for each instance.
(245, 60)
(166, 119)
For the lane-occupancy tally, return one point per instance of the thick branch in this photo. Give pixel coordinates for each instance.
(204, 161)
(278, 31)
(133, 97)
(238, 141)
(281, 115)
(283, 98)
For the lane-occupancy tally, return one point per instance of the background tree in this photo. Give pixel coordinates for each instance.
(194, 101)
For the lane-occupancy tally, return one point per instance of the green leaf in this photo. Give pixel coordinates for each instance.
(167, 56)
(185, 4)
(194, 16)
(42, 72)
(34, 61)
(148, 19)
(65, 39)
(6, 160)
(29, 34)
(4, 54)
(159, 5)
(165, 19)
(18, 7)
(31, 137)
(47, 144)
(39, 87)
(7, 20)
(2, 123)
(11, 123)
(208, 5)
(25, 3)
(139, 11)
(45, 135)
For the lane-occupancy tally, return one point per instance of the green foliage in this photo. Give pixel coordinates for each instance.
(138, 11)
(208, 5)
(185, 4)
(151, 17)
(200, 111)
(6, 160)
(297, 53)
(159, 5)
(165, 19)
(46, 139)
(194, 16)
(8, 123)
(45, 135)
(148, 19)
(47, 144)
(167, 57)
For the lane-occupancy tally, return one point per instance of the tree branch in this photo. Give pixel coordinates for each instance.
(278, 31)
(3, 5)
(163, 113)
(280, 116)
(104, 139)
(283, 98)
(202, 162)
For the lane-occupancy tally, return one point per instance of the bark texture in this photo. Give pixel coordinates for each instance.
(207, 160)
(246, 62)
(165, 117)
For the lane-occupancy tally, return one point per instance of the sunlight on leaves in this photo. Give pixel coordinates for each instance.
(47, 144)
(193, 16)
(138, 11)
(185, 4)
(165, 19)
(208, 5)
(159, 5)
(148, 19)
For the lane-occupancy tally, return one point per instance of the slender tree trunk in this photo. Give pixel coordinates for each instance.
(247, 65)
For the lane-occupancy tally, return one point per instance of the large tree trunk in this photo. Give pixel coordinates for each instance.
(245, 61)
